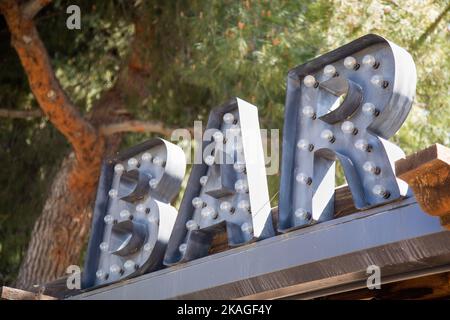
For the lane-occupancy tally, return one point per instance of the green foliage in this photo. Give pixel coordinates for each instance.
(204, 53)
(405, 22)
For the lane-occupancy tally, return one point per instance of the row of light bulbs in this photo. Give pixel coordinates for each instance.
(133, 163)
(126, 215)
(350, 63)
(368, 108)
(128, 266)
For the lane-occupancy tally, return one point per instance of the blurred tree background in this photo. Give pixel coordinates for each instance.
(204, 52)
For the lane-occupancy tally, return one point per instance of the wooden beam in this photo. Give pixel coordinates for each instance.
(436, 286)
(428, 174)
(8, 293)
(343, 202)
(58, 288)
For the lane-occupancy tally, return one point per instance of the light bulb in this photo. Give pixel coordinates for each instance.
(146, 157)
(228, 118)
(197, 202)
(100, 274)
(362, 145)
(241, 186)
(225, 206)
(192, 225)
(303, 144)
(148, 247)
(239, 167)
(303, 178)
(153, 183)
(103, 246)
(115, 269)
(369, 166)
(369, 108)
(309, 81)
(182, 248)
(203, 180)
(124, 214)
(308, 111)
(109, 219)
(369, 60)
(350, 62)
(129, 265)
(327, 135)
(118, 168)
(329, 70)
(302, 214)
(112, 193)
(247, 227)
(218, 137)
(380, 191)
(209, 160)
(244, 205)
(158, 161)
(348, 127)
(377, 80)
(209, 212)
(132, 163)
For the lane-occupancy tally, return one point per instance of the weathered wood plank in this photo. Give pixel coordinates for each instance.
(423, 288)
(343, 202)
(428, 174)
(8, 293)
(58, 288)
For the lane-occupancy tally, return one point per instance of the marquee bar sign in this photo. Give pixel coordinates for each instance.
(342, 105)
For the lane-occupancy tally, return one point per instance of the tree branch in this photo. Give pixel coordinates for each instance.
(45, 86)
(20, 114)
(136, 126)
(430, 29)
(31, 8)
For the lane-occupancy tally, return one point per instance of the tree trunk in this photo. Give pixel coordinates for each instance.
(60, 232)
(63, 224)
